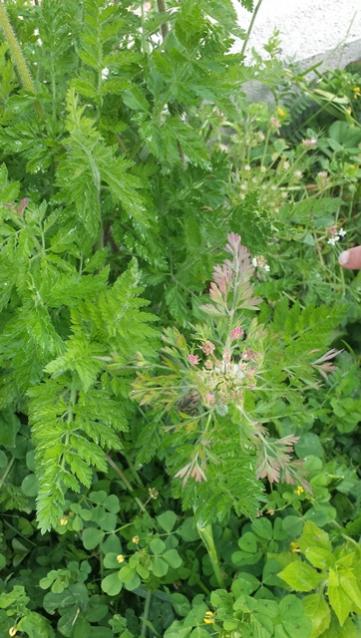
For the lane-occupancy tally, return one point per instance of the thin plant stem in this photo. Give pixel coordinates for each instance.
(127, 484)
(205, 532)
(7, 470)
(163, 9)
(16, 51)
(250, 28)
(145, 616)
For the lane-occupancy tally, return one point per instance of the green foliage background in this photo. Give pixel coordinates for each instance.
(129, 155)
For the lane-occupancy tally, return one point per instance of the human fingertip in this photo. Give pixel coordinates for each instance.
(344, 258)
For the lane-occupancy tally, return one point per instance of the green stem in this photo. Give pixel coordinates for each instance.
(163, 9)
(127, 484)
(206, 534)
(15, 51)
(7, 470)
(250, 28)
(148, 597)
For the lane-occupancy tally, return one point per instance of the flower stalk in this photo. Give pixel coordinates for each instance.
(16, 51)
(205, 532)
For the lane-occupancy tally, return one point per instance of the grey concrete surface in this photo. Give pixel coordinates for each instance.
(310, 30)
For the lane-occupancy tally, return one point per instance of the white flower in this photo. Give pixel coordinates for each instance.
(342, 232)
(36, 31)
(20, 17)
(237, 371)
(310, 142)
(105, 73)
(333, 240)
(254, 262)
(247, 167)
(39, 42)
(266, 268)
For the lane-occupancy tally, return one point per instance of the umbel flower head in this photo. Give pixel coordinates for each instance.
(209, 385)
(214, 373)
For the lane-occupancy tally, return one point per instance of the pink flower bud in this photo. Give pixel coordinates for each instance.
(237, 333)
(208, 347)
(193, 359)
(210, 398)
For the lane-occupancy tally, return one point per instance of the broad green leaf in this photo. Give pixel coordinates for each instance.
(348, 630)
(91, 537)
(318, 612)
(314, 536)
(157, 546)
(351, 586)
(263, 528)
(319, 557)
(292, 525)
(112, 560)
(340, 602)
(111, 503)
(167, 520)
(30, 485)
(248, 542)
(180, 603)
(35, 626)
(172, 557)
(129, 577)
(159, 567)
(300, 576)
(177, 630)
(294, 622)
(112, 584)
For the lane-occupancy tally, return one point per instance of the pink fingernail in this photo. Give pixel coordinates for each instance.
(344, 257)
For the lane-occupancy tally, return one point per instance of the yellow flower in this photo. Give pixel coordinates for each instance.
(299, 490)
(209, 618)
(63, 521)
(120, 558)
(136, 539)
(281, 112)
(295, 548)
(356, 91)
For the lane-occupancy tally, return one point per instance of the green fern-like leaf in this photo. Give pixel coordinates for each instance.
(75, 414)
(231, 477)
(89, 168)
